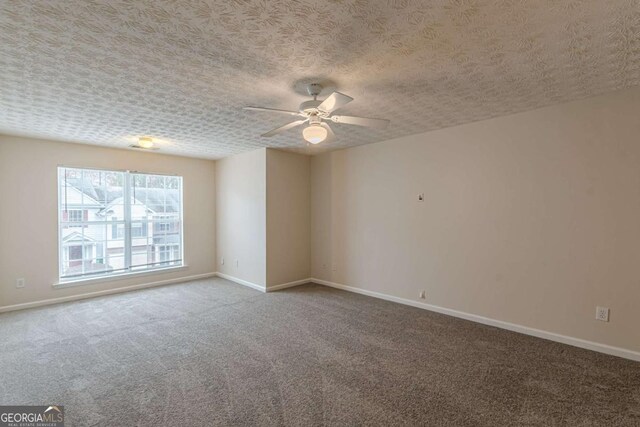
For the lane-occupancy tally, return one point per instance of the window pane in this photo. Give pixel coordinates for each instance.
(90, 251)
(155, 195)
(157, 224)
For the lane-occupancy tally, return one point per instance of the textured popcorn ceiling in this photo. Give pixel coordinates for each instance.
(104, 72)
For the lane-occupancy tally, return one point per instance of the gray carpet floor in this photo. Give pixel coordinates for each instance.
(215, 353)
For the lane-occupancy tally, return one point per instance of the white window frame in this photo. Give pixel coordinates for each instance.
(129, 270)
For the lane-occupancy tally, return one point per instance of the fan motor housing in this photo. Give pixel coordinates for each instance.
(310, 106)
(314, 120)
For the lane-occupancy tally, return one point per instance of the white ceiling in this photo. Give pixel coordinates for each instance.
(104, 72)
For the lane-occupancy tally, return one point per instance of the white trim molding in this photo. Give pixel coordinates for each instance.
(288, 285)
(243, 282)
(263, 288)
(576, 342)
(86, 295)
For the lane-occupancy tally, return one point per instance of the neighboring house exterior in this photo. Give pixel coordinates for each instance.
(92, 238)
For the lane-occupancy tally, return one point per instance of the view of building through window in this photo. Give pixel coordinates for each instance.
(113, 222)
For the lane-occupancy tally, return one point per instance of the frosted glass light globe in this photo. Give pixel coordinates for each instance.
(314, 133)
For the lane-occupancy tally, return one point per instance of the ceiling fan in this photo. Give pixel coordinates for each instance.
(316, 113)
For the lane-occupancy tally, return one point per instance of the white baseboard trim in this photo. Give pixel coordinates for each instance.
(59, 300)
(243, 282)
(288, 285)
(263, 288)
(576, 342)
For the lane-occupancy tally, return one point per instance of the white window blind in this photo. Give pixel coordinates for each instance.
(115, 222)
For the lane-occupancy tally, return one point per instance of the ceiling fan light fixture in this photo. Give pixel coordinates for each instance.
(316, 113)
(314, 133)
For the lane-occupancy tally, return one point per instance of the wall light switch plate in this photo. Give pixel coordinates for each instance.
(20, 283)
(602, 314)
(421, 197)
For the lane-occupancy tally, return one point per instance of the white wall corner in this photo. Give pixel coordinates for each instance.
(288, 284)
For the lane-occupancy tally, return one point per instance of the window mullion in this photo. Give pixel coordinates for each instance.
(127, 220)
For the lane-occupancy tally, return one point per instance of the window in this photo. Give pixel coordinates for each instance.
(75, 255)
(114, 222)
(167, 252)
(75, 215)
(137, 230)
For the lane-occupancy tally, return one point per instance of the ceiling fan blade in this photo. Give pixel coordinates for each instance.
(361, 121)
(334, 101)
(330, 135)
(283, 128)
(273, 110)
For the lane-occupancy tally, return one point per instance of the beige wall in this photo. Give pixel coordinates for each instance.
(532, 218)
(28, 213)
(288, 217)
(241, 216)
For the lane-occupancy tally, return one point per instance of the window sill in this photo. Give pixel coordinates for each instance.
(95, 280)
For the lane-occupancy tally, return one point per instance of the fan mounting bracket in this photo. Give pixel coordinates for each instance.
(314, 89)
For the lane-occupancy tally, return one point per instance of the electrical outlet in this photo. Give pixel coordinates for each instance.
(423, 294)
(20, 283)
(237, 263)
(222, 262)
(602, 314)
